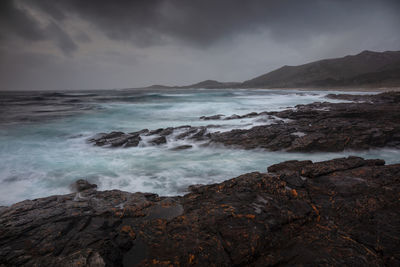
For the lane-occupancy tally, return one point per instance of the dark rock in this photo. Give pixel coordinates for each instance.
(289, 166)
(119, 141)
(82, 185)
(153, 132)
(133, 141)
(189, 132)
(348, 217)
(232, 117)
(373, 123)
(214, 117)
(329, 166)
(113, 135)
(195, 188)
(182, 147)
(199, 134)
(159, 140)
(139, 132)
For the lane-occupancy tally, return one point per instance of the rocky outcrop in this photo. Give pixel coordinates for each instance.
(334, 213)
(372, 121)
(375, 122)
(156, 137)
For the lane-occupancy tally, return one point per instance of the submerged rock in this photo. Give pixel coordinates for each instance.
(182, 147)
(343, 213)
(214, 117)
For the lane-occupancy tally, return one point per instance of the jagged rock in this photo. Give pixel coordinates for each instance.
(345, 215)
(82, 185)
(144, 131)
(325, 127)
(371, 123)
(159, 140)
(189, 132)
(182, 147)
(232, 117)
(199, 134)
(289, 166)
(214, 117)
(132, 142)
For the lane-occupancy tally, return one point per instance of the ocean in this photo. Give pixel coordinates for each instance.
(44, 148)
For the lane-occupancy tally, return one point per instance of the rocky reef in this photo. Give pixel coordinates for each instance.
(371, 121)
(338, 212)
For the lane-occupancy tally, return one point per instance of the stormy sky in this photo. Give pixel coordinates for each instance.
(94, 44)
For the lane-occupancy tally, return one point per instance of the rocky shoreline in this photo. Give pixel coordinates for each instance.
(372, 121)
(338, 212)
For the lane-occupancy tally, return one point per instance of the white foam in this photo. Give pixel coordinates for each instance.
(41, 159)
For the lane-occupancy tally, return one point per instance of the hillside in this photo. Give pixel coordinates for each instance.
(364, 69)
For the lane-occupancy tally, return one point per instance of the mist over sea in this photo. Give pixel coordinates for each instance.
(43, 139)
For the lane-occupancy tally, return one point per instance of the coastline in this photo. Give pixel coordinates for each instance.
(299, 212)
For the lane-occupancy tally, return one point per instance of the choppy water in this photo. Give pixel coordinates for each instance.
(43, 136)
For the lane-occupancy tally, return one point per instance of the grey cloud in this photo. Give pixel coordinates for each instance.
(128, 43)
(204, 22)
(61, 38)
(15, 21)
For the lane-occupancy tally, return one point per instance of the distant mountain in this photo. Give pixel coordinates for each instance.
(207, 84)
(367, 69)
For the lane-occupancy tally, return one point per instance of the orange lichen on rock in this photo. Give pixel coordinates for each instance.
(316, 211)
(248, 216)
(128, 230)
(191, 258)
(294, 193)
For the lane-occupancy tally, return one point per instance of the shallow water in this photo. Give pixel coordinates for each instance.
(43, 137)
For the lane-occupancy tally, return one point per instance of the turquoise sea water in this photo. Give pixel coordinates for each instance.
(43, 137)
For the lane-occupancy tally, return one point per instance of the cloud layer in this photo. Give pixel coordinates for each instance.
(74, 44)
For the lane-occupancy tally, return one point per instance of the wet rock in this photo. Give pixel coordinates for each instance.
(232, 117)
(346, 215)
(199, 134)
(289, 166)
(113, 135)
(329, 166)
(116, 139)
(132, 142)
(214, 117)
(195, 188)
(183, 147)
(372, 123)
(188, 133)
(159, 140)
(82, 185)
(153, 132)
(144, 131)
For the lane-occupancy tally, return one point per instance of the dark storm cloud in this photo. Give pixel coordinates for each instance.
(125, 43)
(203, 22)
(195, 22)
(14, 21)
(18, 22)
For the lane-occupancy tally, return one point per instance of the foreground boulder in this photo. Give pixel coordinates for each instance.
(343, 212)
